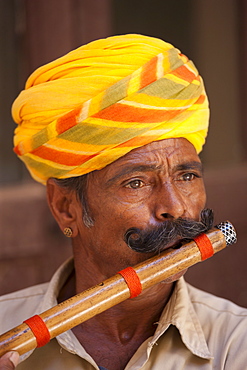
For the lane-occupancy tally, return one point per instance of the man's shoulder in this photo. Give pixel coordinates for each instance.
(26, 293)
(18, 306)
(224, 327)
(212, 303)
(219, 317)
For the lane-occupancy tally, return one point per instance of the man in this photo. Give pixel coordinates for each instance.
(114, 129)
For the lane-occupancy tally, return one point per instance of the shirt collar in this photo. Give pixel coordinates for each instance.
(50, 300)
(67, 340)
(180, 312)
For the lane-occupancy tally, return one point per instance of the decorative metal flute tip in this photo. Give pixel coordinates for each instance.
(228, 231)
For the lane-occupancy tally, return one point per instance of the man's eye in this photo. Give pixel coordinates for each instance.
(189, 176)
(135, 184)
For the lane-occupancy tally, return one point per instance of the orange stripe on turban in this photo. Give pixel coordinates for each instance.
(90, 107)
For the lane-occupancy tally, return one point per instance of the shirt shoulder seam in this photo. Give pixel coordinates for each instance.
(22, 297)
(220, 310)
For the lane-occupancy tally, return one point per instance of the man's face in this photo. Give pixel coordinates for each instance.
(146, 187)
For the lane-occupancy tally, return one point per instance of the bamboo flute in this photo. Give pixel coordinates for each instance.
(114, 290)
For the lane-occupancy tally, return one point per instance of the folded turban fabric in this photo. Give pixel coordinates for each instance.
(90, 107)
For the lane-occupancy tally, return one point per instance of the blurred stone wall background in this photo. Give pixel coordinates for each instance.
(213, 34)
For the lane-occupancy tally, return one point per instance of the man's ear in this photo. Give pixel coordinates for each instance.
(63, 205)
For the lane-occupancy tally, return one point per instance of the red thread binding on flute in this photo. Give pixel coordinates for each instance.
(39, 329)
(205, 246)
(132, 280)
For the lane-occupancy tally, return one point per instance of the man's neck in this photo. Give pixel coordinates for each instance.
(121, 329)
(126, 317)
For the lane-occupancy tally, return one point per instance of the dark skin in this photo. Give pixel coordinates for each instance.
(149, 185)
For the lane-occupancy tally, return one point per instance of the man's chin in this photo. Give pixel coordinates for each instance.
(175, 277)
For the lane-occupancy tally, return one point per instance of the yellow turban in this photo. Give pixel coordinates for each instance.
(90, 107)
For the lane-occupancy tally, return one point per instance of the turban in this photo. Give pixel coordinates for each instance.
(90, 107)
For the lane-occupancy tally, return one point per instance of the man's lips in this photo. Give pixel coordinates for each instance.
(169, 234)
(173, 245)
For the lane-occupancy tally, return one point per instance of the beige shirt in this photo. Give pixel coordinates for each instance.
(196, 331)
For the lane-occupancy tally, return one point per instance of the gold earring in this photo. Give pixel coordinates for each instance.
(68, 232)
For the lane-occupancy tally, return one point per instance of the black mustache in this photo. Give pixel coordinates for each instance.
(154, 240)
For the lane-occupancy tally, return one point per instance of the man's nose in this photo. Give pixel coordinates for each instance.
(170, 203)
